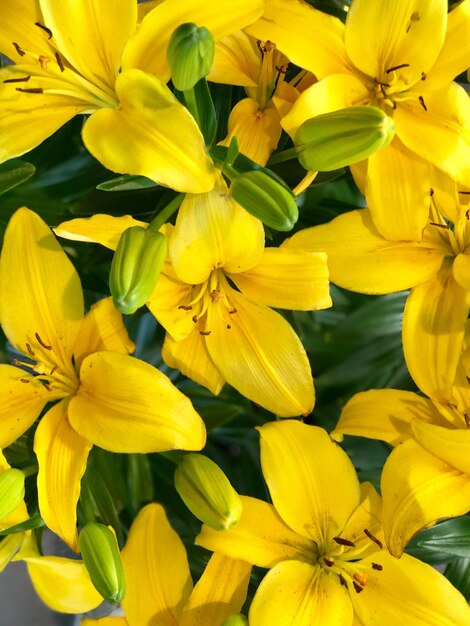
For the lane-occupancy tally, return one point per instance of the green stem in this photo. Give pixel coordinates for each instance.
(191, 104)
(285, 155)
(29, 470)
(166, 213)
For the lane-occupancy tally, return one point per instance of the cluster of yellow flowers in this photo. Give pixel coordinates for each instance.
(334, 552)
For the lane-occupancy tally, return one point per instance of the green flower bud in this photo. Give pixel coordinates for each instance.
(237, 619)
(11, 491)
(333, 140)
(190, 55)
(135, 268)
(207, 492)
(266, 197)
(100, 554)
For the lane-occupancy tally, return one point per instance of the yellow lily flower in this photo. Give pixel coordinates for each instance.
(400, 56)
(83, 57)
(216, 333)
(159, 586)
(102, 395)
(321, 539)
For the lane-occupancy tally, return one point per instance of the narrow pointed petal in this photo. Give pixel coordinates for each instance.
(22, 401)
(62, 457)
(103, 229)
(441, 132)
(260, 537)
(102, 329)
(361, 259)
(213, 231)
(126, 405)
(221, 591)
(166, 304)
(382, 35)
(275, 375)
(190, 356)
(462, 270)
(449, 445)
(237, 61)
(157, 571)
(410, 592)
(433, 331)
(286, 278)
(41, 291)
(290, 24)
(150, 134)
(300, 594)
(397, 191)
(418, 489)
(313, 493)
(384, 414)
(147, 49)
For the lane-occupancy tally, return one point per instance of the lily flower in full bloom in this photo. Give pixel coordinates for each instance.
(80, 363)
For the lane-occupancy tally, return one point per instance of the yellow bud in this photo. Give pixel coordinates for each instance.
(333, 140)
(237, 619)
(135, 268)
(190, 55)
(100, 554)
(11, 491)
(207, 492)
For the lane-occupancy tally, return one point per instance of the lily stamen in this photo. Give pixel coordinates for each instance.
(41, 342)
(48, 31)
(372, 538)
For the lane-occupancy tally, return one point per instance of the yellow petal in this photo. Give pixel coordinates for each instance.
(257, 130)
(449, 445)
(286, 278)
(433, 330)
(62, 456)
(260, 537)
(275, 375)
(150, 134)
(361, 259)
(213, 231)
(157, 572)
(9, 546)
(290, 24)
(407, 591)
(41, 291)
(147, 50)
(104, 621)
(102, 329)
(418, 489)
(397, 191)
(103, 229)
(90, 35)
(461, 270)
(313, 493)
(237, 61)
(384, 414)
(221, 591)
(365, 516)
(166, 304)
(384, 35)
(22, 401)
(126, 405)
(300, 594)
(19, 18)
(190, 356)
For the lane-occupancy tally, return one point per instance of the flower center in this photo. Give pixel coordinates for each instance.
(393, 87)
(272, 72)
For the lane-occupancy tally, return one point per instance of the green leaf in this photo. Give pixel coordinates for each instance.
(127, 183)
(13, 173)
(458, 573)
(33, 522)
(439, 543)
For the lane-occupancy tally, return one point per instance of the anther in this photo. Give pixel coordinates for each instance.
(216, 295)
(60, 63)
(18, 80)
(29, 349)
(45, 29)
(468, 379)
(372, 538)
(194, 318)
(342, 580)
(43, 61)
(53, 370)
(228, 326)
(18, 49)
(185, 308)
(24, 380)
(344, 542)
(431, 192)
(47, 386)
(360, 578)
(396, 67)
(205, 333)
(467, 420)
(232, 311)
(328, 562)
(357, 588)
(414, 17)
(422, 103)
(32, 90)
(467, 214)
(377, 566)
(423, 76)
(452, 406)
(445, 226)
(41, 342)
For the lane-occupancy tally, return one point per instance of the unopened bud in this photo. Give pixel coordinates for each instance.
(207, 492)
(190, 55)
(266, 197)
(237, 619)
(333, 140)
(135, 268)
(11, 491)
(100, 554)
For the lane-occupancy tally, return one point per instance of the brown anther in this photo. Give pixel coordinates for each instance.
(344, 542)
(372, 538)
(422, 103)
(43, 61)
(194, 318)
(396, 67)
(377, 566)
(431, 192)
(414, 17)
(452, 406)
(423, 76)
(216, 295)
(260, 46)
(467, 213)
(24, 380)
(41, 342)
(205, 333)
(18, 49)
(445, 226)
(360, 578)
(48, 31)
(29, 349)
(32, 90)
(467, 420)
(269, 46)
(60, 63)
(18, 80)
(47, 386)
(328, 562)
(185, 308)
(465, 193)
(53, 370)
(468, 379)
(232, 311)
(342, 580)
(228, 326)
(357, 588)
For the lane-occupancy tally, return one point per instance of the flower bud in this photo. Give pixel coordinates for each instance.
(237, 619)
(333, 140)
(135, 268)
(100, 554)
(266, 197)
(11, 491)
(207, 492)
(190, 55)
